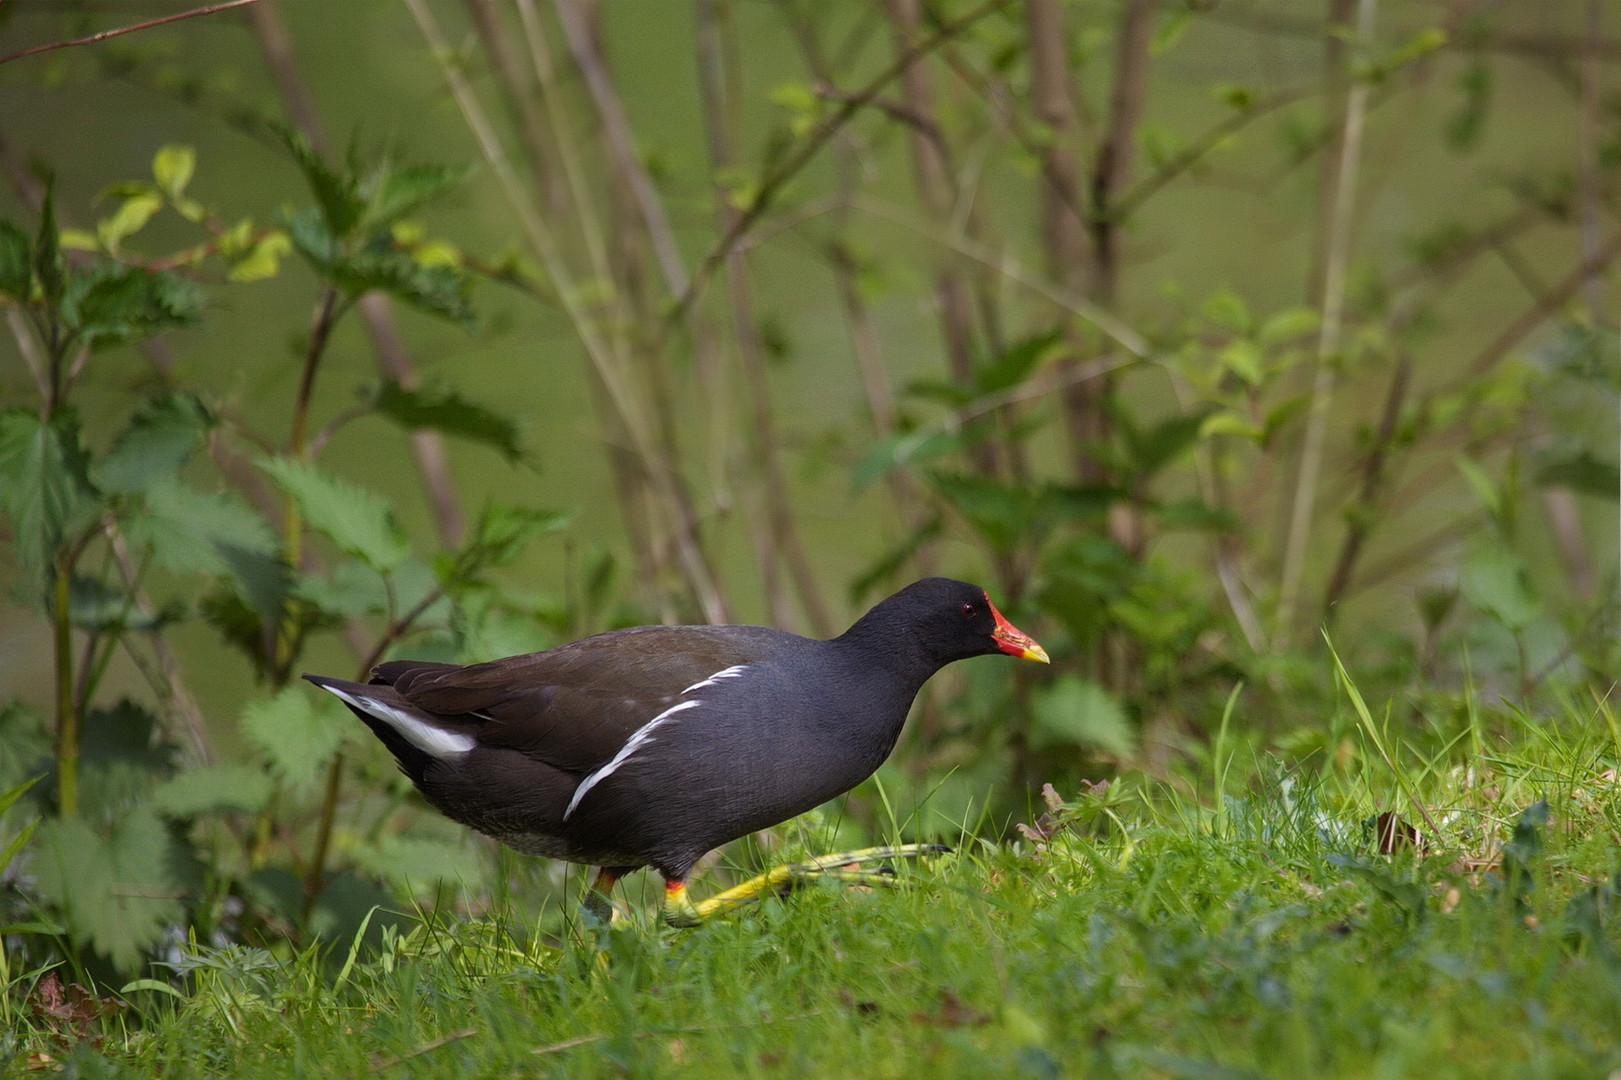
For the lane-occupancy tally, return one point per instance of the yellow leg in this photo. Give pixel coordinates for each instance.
(679, 910)
(598, 898)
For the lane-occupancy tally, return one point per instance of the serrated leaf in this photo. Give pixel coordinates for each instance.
(211, 789)
(191, 531)
(337, 194)
(172, 168)
(500, 534)
(1076, 711)
(445, 411)
(295, 737)
(408, 187)
(358, 521)
(45, 486)
(437, 290)
(112, 303)
(420, 861)
(117, 893)
(16, 263)
(158, 439)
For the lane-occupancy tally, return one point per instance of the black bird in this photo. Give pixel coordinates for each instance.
(653, 745)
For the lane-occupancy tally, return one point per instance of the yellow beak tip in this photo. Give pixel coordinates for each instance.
(1035, 652)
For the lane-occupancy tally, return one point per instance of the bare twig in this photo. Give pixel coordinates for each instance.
(105, 34)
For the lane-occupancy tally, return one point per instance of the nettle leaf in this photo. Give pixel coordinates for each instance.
(421, 862)
(191, 531)
(211, 789)
(437, 290)
(404, 189)
(295, 736)
(1004, 514)
(500, 535)
(443, 410)
(119, 892)
(112, 303)
(1077, 711)
(95, 605)
(45, 486)
(159, 438)
(337, 193)
(16, 263)
(358, 521)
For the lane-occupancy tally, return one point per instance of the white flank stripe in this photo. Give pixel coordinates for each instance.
(726, 673)
(641, 738)
(424, 736)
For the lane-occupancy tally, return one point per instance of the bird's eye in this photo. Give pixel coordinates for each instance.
(969, 611)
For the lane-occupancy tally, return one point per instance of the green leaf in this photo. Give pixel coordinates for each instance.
(1288, 325)
(1076, 711)
(295, 737)
(111, 303)
(262, 259)
(172, 168)
(190, 531)
(903, 448)
(358, 521)
(1494, 581)
(500, 536)
(1004, 514)
(1485, 488)
(45, 486)
(1582, 473)
(337, 194)
(16, 263)
(211, 789)
(1164, 442)
(437, 290)
(1017, 361)
(117, 893)
(50, 268)
(130, 218)
(1230, 423)
(445, 411)
(158, 439)
(422, 862)
(404, 189)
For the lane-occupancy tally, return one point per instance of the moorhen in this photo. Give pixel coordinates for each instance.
(653, 745)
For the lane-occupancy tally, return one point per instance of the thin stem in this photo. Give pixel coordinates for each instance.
(67, 718)
(105, 34)
(315, 871)
(1336, 256)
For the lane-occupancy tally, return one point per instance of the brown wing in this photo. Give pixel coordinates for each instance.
(574, 707)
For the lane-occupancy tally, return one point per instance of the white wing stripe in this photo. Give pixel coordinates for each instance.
(714, 680)
(419, 733)
(642, 736)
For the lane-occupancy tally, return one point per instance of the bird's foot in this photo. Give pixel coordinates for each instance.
(853, 868)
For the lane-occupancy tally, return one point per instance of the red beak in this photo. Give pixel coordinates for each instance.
(1013, 641)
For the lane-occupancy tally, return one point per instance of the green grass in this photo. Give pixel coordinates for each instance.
(1156, 932)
